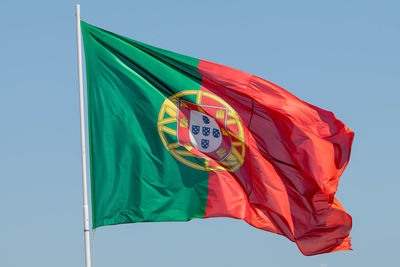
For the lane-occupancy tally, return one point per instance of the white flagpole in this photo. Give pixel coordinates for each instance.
(83, 144)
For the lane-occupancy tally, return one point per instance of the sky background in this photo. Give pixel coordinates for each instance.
(342, 56)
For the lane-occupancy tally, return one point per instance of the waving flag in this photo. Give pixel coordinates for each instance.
(174, 138)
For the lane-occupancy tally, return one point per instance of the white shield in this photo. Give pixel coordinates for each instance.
(204, 132)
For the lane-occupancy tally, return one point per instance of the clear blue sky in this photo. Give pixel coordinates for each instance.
(340, 55)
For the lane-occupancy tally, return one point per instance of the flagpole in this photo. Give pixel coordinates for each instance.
(83, 143)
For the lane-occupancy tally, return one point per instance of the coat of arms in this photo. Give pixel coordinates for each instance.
(205, 135)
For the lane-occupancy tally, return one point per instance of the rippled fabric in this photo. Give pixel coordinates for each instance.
(292, 153)
(295, 154)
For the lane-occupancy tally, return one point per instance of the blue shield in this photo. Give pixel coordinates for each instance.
(195, 129)
(216, 133)
(206, 131)
(205, 143)
(206, 120)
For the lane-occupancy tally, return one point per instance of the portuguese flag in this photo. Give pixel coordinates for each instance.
(174, 138)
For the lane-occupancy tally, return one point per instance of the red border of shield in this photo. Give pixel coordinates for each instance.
(219, 114)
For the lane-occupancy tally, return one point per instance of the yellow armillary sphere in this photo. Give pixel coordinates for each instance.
(205, 133)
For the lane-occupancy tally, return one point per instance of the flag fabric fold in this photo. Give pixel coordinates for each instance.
(174, 138)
